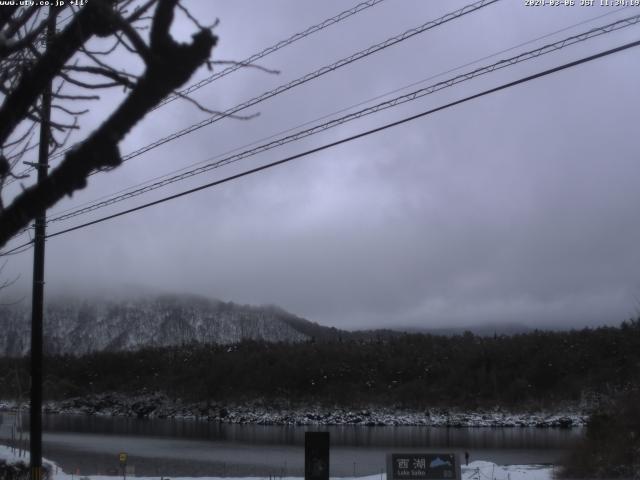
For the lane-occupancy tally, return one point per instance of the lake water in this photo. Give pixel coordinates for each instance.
(169, 447)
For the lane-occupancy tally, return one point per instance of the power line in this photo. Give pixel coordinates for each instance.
(309, 76)
(273, 48)
(17, 250)
(342, 110)
(354, 137)
(247, 61)
(531, 54)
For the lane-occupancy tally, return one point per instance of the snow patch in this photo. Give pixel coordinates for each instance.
(478, 469)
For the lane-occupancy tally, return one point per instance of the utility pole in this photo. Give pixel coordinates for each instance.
(37, 300)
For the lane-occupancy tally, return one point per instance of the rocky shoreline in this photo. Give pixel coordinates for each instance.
(160, 406)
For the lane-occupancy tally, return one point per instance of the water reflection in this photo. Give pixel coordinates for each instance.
(345, 435)
(173, 447)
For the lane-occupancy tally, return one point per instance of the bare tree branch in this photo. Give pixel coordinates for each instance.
(122, 42)
(34, 80)
(108, 51)
(118, 78)
(21, 138)
(137, 43)
(70, 112)
(140, 11)
(89, 86)
(169, 65)
(6, 13)
(195, 21)
(7, 48)
(76, 97)
(201, 107)
(245, 65)
(21, 20)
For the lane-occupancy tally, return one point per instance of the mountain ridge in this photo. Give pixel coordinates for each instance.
(78, 325)
(74, 326)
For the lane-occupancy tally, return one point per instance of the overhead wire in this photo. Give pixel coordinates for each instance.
(525, 56)
(354, 137)
(17, 250)
(253, 58)
(305, 78)
(269, 50)
(342, 110)
(467, 9)
(630, 19)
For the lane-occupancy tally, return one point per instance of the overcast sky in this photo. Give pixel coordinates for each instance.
(521, 206)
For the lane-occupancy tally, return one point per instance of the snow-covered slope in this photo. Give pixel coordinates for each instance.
(128, 324)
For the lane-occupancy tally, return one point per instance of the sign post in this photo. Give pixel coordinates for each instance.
(423, 466)
(122, 457)
(316, 456)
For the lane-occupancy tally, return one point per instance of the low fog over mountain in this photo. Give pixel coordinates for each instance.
(79, 326)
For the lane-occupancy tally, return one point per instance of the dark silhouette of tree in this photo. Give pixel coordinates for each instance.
(536, 369)
(611, 446)
(77, 70)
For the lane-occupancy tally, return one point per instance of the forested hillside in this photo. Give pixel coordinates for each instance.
(537, 368)
(147, 321)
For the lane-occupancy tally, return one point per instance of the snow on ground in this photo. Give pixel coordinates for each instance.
(160, 406)
(11, 456)
(478, 470)
(490, 471)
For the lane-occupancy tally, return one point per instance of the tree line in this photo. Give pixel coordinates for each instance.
(537, 369)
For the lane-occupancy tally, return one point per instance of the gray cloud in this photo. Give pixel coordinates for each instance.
(515, 207)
